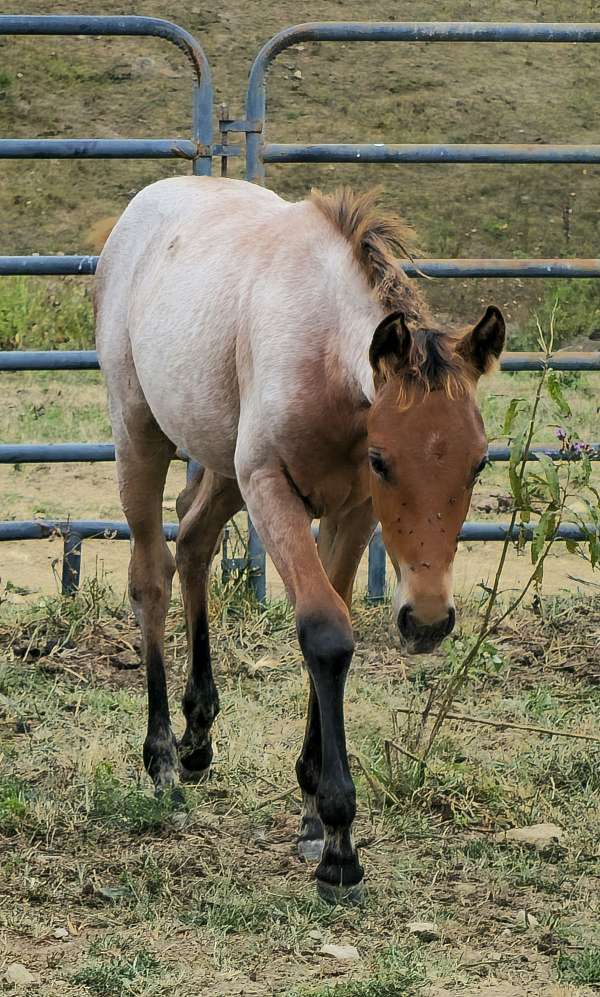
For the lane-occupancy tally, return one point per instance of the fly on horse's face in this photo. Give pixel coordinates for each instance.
(427, 446)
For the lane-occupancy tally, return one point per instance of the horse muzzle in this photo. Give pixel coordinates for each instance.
(421, 638)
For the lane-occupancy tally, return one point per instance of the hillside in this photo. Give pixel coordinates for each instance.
(379, 92)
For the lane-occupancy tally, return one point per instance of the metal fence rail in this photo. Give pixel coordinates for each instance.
(200, 150)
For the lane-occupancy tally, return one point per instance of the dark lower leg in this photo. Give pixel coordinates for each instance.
(204, 508)
(200, 701)
(150, 589)
(327, 645)
(308, 771)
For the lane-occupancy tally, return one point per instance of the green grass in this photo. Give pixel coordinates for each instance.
(219, 880)
(114, 977)
(45, 315)
(401, 972)
(580, 968)
(13, 804)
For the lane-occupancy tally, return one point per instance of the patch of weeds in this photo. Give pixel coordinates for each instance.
(400, 972)
(13, 804)
(577, 313)
(228, 909)
(58, 621)
(114, 977)
(43, 316)
(127, 808)
(579, 967)
(567, 769)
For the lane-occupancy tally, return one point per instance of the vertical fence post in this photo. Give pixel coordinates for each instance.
(376, 569)
(71, 566)
(257, 563)
(225, 568)
(193, 468)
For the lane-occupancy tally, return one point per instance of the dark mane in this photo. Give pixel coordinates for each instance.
(434, 363)
(376, 241)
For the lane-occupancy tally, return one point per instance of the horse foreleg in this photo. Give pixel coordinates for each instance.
(342, 542)
(204, 507)
(325, 635)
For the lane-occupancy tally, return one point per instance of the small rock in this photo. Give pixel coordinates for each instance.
(180, 819)
(113, 892)
(298, 74)
(538, 836)
(61, 933)
(18, 974)
(527, 920)
(315, 934)
(266, 663)
(343, 953)
(426, 931)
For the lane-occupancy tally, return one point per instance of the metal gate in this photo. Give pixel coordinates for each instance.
(200, 151)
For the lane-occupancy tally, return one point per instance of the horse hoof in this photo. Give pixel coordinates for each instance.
(347, 895)
(310, 849)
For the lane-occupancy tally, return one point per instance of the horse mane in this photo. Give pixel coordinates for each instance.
(376, 241)
(433, 363)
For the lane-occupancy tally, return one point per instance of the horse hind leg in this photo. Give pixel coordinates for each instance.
(203, 508)
(143, 458)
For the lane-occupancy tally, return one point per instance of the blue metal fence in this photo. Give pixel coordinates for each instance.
(200, 150)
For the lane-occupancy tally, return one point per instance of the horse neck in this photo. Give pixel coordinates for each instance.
(358, 318)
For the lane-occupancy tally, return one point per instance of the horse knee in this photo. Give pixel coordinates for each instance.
(326, 641)
(150, 583)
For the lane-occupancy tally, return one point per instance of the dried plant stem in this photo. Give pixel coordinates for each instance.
(500, 724)
(459, 677)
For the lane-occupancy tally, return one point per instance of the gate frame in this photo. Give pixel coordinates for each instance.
(200, 151)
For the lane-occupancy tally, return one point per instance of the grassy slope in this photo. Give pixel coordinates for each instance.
(392, 92)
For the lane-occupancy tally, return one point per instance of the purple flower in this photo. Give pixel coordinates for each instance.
(580, 448)
(560, 433)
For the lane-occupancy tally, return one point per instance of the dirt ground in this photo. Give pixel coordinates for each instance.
(104, 891)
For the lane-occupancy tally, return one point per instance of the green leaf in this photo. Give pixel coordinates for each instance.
(539, 573)
(511, 413)
(515, 485)
(585, 467)
(517, 448)
(543, 531)
(556, 394)
(551, 475)
(571, 546)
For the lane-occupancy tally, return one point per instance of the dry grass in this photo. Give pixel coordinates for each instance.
(152, 900)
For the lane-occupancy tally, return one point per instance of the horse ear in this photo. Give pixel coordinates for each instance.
(390, 346)
(482, 346)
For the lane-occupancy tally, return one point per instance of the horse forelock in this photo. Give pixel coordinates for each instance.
(434, 364)
(376, 240)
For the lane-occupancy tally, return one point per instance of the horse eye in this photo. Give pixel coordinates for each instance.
(481, 467)
(378, 464)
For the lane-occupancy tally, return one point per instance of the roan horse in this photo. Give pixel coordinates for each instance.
(282, 347)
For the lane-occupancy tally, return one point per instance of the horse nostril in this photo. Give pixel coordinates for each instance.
(451, 621)
(406, 621)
